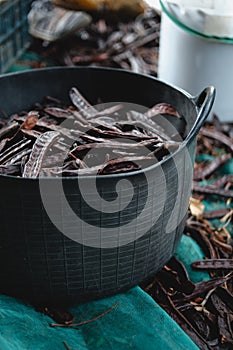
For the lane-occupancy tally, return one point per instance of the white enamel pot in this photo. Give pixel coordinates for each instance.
(190, 60)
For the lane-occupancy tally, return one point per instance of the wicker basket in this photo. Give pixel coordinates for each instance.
(14, 37)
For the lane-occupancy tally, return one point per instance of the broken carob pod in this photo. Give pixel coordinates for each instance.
(213, 264)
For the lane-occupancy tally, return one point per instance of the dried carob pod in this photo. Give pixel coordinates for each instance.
(88, 135)
(33, 166)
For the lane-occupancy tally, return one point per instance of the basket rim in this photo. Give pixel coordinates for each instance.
(183, 145)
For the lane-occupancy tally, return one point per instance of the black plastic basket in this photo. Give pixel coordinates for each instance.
(14, 37)
(37, 260)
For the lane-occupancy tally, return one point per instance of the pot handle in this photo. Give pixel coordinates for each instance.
(204, 103)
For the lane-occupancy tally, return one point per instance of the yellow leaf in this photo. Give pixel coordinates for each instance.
(196, 207)
(227, 216)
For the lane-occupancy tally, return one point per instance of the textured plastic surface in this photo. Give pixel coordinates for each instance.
(36, 260)
(14, 37)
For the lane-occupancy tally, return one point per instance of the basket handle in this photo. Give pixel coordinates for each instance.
(204, 102)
